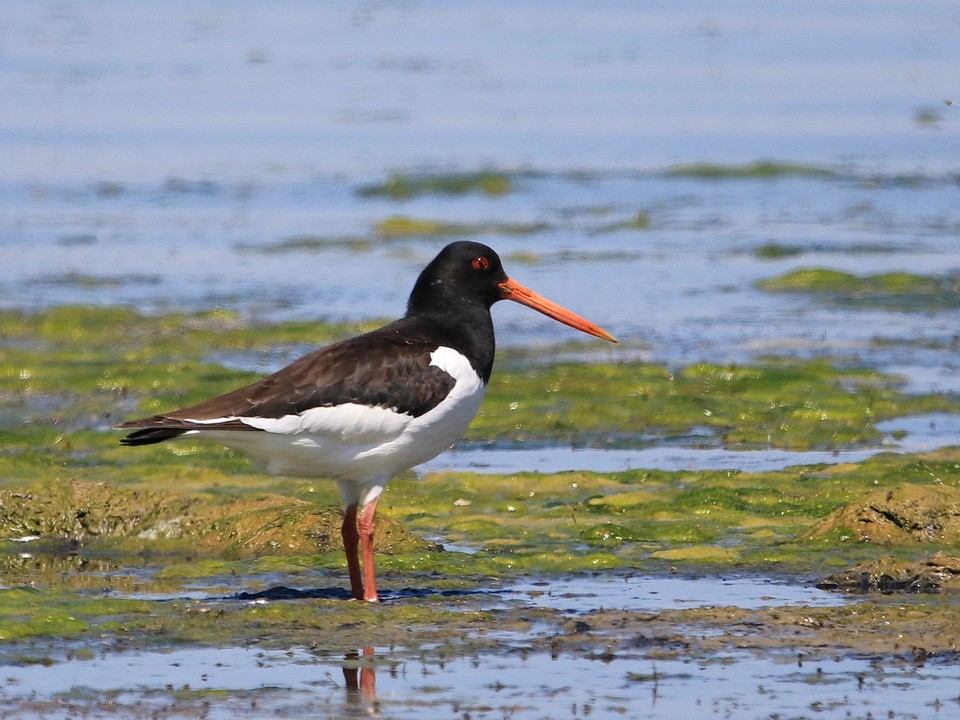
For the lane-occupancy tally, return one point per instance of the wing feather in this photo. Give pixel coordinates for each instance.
(388, 368)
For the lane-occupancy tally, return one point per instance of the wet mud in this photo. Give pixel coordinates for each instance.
(902, 515)
(939, 573)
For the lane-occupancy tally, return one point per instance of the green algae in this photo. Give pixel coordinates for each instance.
(27, 612)
(638, 516)
(761, 170)
(92, 282)
(316, 623)
(404, 226)
(777, 251)
(780, 251)
(784, 403)
(516, 524)
(90, 359)
(124, 520)
(310, 243)
(892, 290)
(640, 220)
(121, 330)
(403, 186)
(607, 404)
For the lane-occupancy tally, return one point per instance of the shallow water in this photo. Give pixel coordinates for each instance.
(512, 681)
(246, 91)
(255, 683)
(922, 433)
(641, 593)
(573, 594)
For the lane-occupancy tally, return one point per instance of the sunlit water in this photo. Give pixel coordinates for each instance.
(523, 685)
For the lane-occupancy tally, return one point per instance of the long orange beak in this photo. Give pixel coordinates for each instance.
(510, 290)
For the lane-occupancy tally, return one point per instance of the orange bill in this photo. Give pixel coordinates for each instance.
(510, 290)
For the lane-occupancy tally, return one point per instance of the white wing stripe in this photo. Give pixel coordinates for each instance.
(350, 421)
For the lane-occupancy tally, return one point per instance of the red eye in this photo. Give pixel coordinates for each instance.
(480, 263)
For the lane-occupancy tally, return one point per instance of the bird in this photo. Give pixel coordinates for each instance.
(363, 409)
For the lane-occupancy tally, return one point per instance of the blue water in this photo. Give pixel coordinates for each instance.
(103, 91)
(915, 434)
(523, 684)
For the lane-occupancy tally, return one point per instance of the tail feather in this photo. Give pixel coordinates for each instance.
(150, 430)
(149, 436)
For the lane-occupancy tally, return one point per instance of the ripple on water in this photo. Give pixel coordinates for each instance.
(650, 593)
(238, 682)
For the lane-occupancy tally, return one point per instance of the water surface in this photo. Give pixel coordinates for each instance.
(917, 434)
(247, 682)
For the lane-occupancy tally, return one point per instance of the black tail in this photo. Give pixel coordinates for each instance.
(149, 436)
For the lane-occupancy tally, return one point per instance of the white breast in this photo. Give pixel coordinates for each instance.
(433, 432)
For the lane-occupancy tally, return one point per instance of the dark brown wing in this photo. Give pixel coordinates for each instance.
(385, 368)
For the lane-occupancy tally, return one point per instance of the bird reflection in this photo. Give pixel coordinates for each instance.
(361, 681)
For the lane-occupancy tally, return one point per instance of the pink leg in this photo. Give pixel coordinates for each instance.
(350, 540)
(367, 526)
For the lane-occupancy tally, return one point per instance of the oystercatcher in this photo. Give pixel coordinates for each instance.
(364, 409)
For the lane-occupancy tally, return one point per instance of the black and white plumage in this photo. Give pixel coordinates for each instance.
(364, 409)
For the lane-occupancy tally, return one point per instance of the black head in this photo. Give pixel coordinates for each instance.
(464, 274)
(467, 278)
